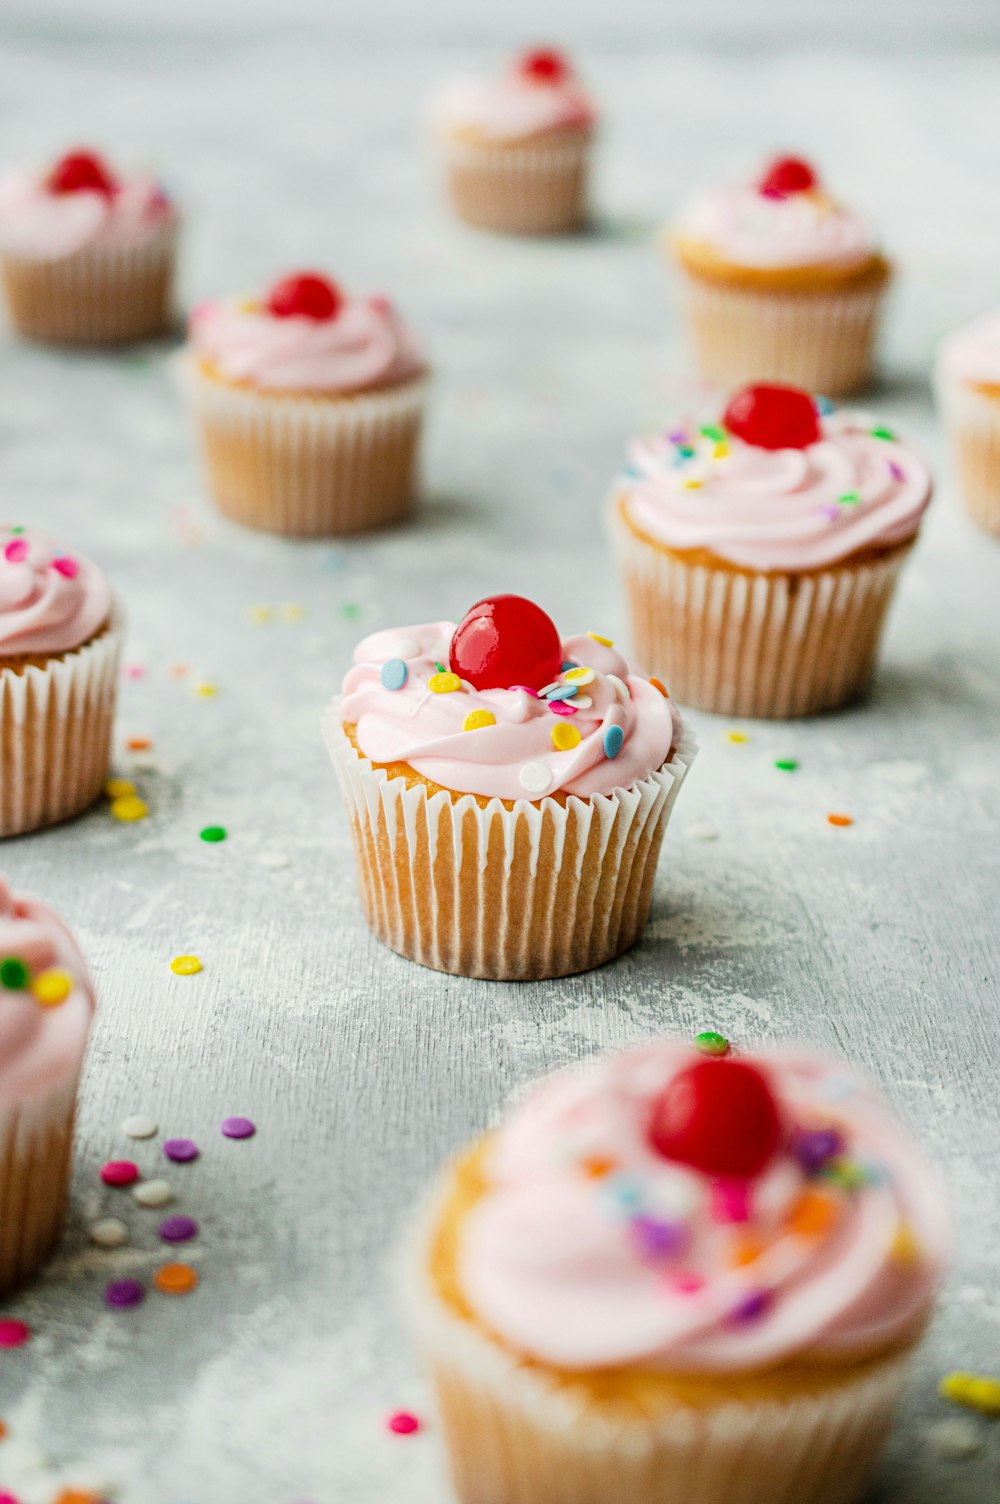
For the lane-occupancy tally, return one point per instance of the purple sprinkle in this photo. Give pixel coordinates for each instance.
(238, 1128)
(830, 510)
(677, 437)
(751, 1308)
(178, 1229)
(180, 1150)
(815, 1147)
(124, 1292)
(896, 471)
(658, 1240)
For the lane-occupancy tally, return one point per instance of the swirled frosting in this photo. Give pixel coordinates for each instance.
(40, 225)
(745, 227)
(366, 345)
(972, 354)
(510, 107)
(590, 1250)
(698, 487)
(41, 1042)
(51, 600)
(512, 756)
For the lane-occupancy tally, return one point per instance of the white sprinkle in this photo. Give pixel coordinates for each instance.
(702, 832)
(108, 1232)
(153, 1192)
(556, 684)
(139, 1126)
(621, 688)
(405, 647)
(535, 777)
(580, 702)
(955, 1439)
(274, 859)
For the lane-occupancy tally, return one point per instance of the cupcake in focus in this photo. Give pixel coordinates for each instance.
(517, 146)
(760, 551)
(968, 388)
(670, 1269)
(87, 255)
(508, 791)
(60, 641)
(309, 404)
(781, 282)
(46, 1006)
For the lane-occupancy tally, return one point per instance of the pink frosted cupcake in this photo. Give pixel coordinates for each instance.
(517, 146)
(676, 1273)
(46, 1006)
(968, 387)
(781, 282)
(309, 405)
(87, 256)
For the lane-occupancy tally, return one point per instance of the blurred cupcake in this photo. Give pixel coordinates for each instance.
(46, 1005)
(87, 257)
(309, 405)
(60, 640)
(669, 1270)
(517, 146)
(760, 551)
(781, 283)
(968, 384)
(508, 791)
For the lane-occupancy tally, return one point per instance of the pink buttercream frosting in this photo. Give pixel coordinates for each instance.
(634, 1267)
(51, 599)
(777, 509)
(972, 354)
(41, 1048)
(510, 107)
(749, 228)
(366, 345)
(514, 758)
(44, 226)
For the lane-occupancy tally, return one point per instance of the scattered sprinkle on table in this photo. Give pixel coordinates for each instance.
(179, 1229)
(3, 1430)
(701, 831)
(955, 1439)
(185, 966)
(737, 737)
(260, 614)
(129, 808)
(153, 1192)
(206, 691)
(709, 1042)
(293, 612)
(79, 1496)
(108, 1232)
(134, 670)
(122, 1293)
(119, 1172)
(14, 1333)
(139, 1126)
(403, 1423)
(839, 820)
(786, 764)
(238, 1128)
(175, 1279)
(139, 744)
(977, 1391)
(213, 833)
(180, 1150)
(118, 788)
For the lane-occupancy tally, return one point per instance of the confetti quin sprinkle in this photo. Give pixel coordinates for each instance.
(175, 1279)
(129, 808)
(658, 684)
(883, 433)
(14, 1333)
(444, 683)
(178, 1229)
(13, 974)
(119, 1172)
(535, 777)
(139, 744)
(181, 1150)
(153, 1193)
(786, 764)
(975, 1391)
(711, 1043)
(118, 788)
(477, 719)
(394, 673)
(580, 676)
(403, 1423)
(738, 738)
(237, 1128)
(68, 568)
(849, 499)
(839, 819)
(16, 551)
(561, 692)
(52, 987)
(406, 647)
(206, 691)
(108, 1232)
(614, 741)
(751, 1308)
(139, 1126)
(813, 1215)
(565, 737)
(606, 642)
(213, 834)
(567, 708)
(185, 966)
(120, 1294)
(955, 1439)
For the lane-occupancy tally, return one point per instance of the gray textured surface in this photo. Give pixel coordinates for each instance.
(271, 1383)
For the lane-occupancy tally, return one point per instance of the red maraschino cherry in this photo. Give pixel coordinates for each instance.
(82, 172)
(719, 1116)
(506, 640)
(544, 65)
(773, 417)
(305, 295)
(787, 175)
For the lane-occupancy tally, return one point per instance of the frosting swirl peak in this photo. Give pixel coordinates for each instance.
(38, 224)
(50, 601)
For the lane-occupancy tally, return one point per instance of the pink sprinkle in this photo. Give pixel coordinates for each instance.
(134, 670)
(6, 1498)
(527, 689)
(68, 567)
(119, 1172)
(562, 707)
(896, 471)
(379, 303)
(686, 1282)
(403, 1423)
(16, 551)
(14, 1333)
(730, 1201)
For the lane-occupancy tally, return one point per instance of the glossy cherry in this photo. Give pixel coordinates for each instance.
(787, 175)
(82, 171)
(544, 65)
(773, 417)
(305, 295)
(719, 1116)
(506, 640)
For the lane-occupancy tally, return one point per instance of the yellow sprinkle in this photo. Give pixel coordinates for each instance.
(606, 642)
(565, 737)
(293, 612)
(739, 737)
(260, 614)
(206, 690)
(185, 966)
(444, 684)
(117, 788)
(905, 1249)
(249, 305)
(478, 718)
(581, 675)
(977, 1391)
(720, 451)
(50, 988)
(129, 807)
(692, 485)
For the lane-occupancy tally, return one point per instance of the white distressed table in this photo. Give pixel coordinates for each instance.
(295, 145)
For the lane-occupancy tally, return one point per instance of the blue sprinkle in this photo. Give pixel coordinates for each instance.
(614, 741)
(825, 407)
(568, 664)
(632, 472)
(394, 673)
(564, 692)
(624, 1191)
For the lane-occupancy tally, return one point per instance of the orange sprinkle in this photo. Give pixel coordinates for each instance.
(659, 684)
(836, 819)
(175, 1279)
(139, 743)
(598, 1167)
(905, 1249)
(745, 1250)
(178, 670)
(3, 1430)
(813, 1215)
(77, 1496)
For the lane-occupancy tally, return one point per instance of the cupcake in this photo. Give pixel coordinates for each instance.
(517, 147)
(673, 1275)
(781, 283)
(968, 383)
(309, 405)
(508, 791)
(60, 639)
(760, 551)
(46, 1005)
(87, 256)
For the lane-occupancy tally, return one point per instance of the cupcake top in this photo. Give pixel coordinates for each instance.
(703, 1213)
(51, 600)
(46, 999)
(79, 203)
(782, 219)
(503, 707)
(538, 92)
(306, 335)
(782, 481)
(972, 354)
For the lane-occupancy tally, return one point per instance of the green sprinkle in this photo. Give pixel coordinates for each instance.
(440, 667)
(214, 833)
(17, 530)
(13, 973)
(882, 433)
(846, 1173)
(711, 1043)
(849, 499)
(786, 764)
(350, 609)
(713, 431)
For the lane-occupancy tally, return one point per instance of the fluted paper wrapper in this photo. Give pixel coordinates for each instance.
(540, 890)
(308, 465)
(824, 342)
(767, 645)
(36, 1147)
(56, 724)
(520, 188)
(973, 422)
(95, 296)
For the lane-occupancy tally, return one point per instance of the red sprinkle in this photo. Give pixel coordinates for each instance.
(119, 1172)
(403, 1423)
(13, 1333)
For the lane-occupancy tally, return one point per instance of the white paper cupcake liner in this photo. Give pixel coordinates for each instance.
(56, 724)
(36, 1148)
(308, 465)
(746, 644)
(540, 890)
(99, 295)
(532, 187)
(823, 342)
(973, 422)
